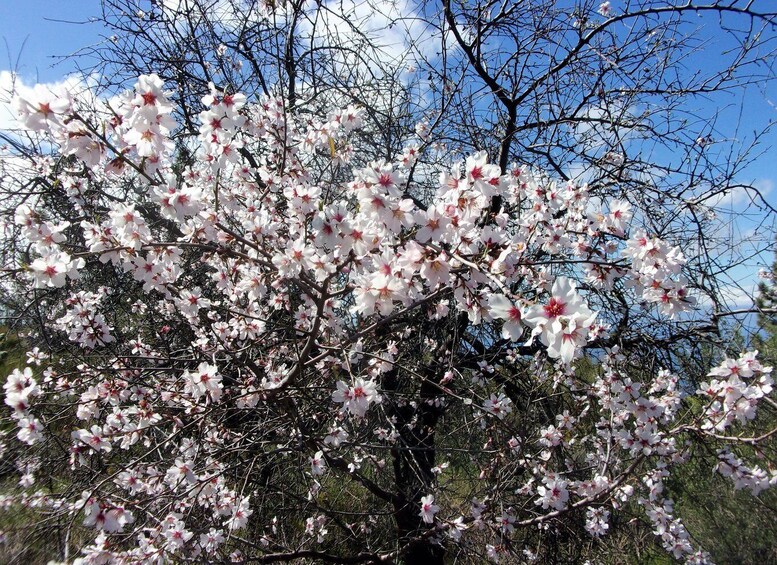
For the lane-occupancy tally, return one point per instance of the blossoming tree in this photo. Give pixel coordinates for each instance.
(257, 340)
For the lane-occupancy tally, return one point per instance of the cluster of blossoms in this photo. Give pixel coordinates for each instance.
(82, 320)
(105, 516)
(563, 324)
(657, 267)
(54, 266)
(755, 478)
(220, 125)
(20, 388)
(357, 398)
(143, 123)
(637, 414)
(262, 330)
(734, 395)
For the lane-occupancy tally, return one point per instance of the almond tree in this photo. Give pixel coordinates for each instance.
(289, 299)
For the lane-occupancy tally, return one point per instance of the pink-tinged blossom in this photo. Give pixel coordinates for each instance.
(190, 302)
(733, 397)
(563, 323)
(496, 553)
(596, 522)
(105, 516)
(263, 255)
(553, 493)
(41, 108)
(456, 528)
(177, 202)
(148, 140)
(551, 437)
(617, 220)
(20, 388)
(211, 540)
(149, 97)
(484, 177)
(655, 271)
(145, 119)
(502, 308)
(95, 438)
(500, 406)
(348, 119)
(357, 397)
(428, 509)
(383, 178)
(410, 155)
(240, 515)
(205, 380)
(83, 321)
(336, 437)
(422, 129)
(175, 533)
(506, 522)
(30, 430)
(381, 294)
(129, 227)
(316, 526)
(401, 214)
(432, 224)
(45, 235)
(181, 472)
(435, 271)
(54, 269)
(754, 479)
(318, 464)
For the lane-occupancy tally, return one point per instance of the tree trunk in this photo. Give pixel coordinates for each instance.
(413, 458)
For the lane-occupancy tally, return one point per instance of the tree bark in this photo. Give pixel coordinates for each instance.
(413, 457)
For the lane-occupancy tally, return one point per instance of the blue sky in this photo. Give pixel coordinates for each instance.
(36, 33)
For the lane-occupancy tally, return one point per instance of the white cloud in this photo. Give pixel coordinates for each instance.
(226, 14)
(608, 127)
(732, 296)
(738, 296)
(741, 196)
(395, 32)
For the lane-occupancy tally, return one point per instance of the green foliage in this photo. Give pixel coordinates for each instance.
(766, 339)
(12, 353)
(12, 356)
(733, 526)
(21, 545)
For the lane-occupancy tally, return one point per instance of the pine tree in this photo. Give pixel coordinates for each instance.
(766, 302)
